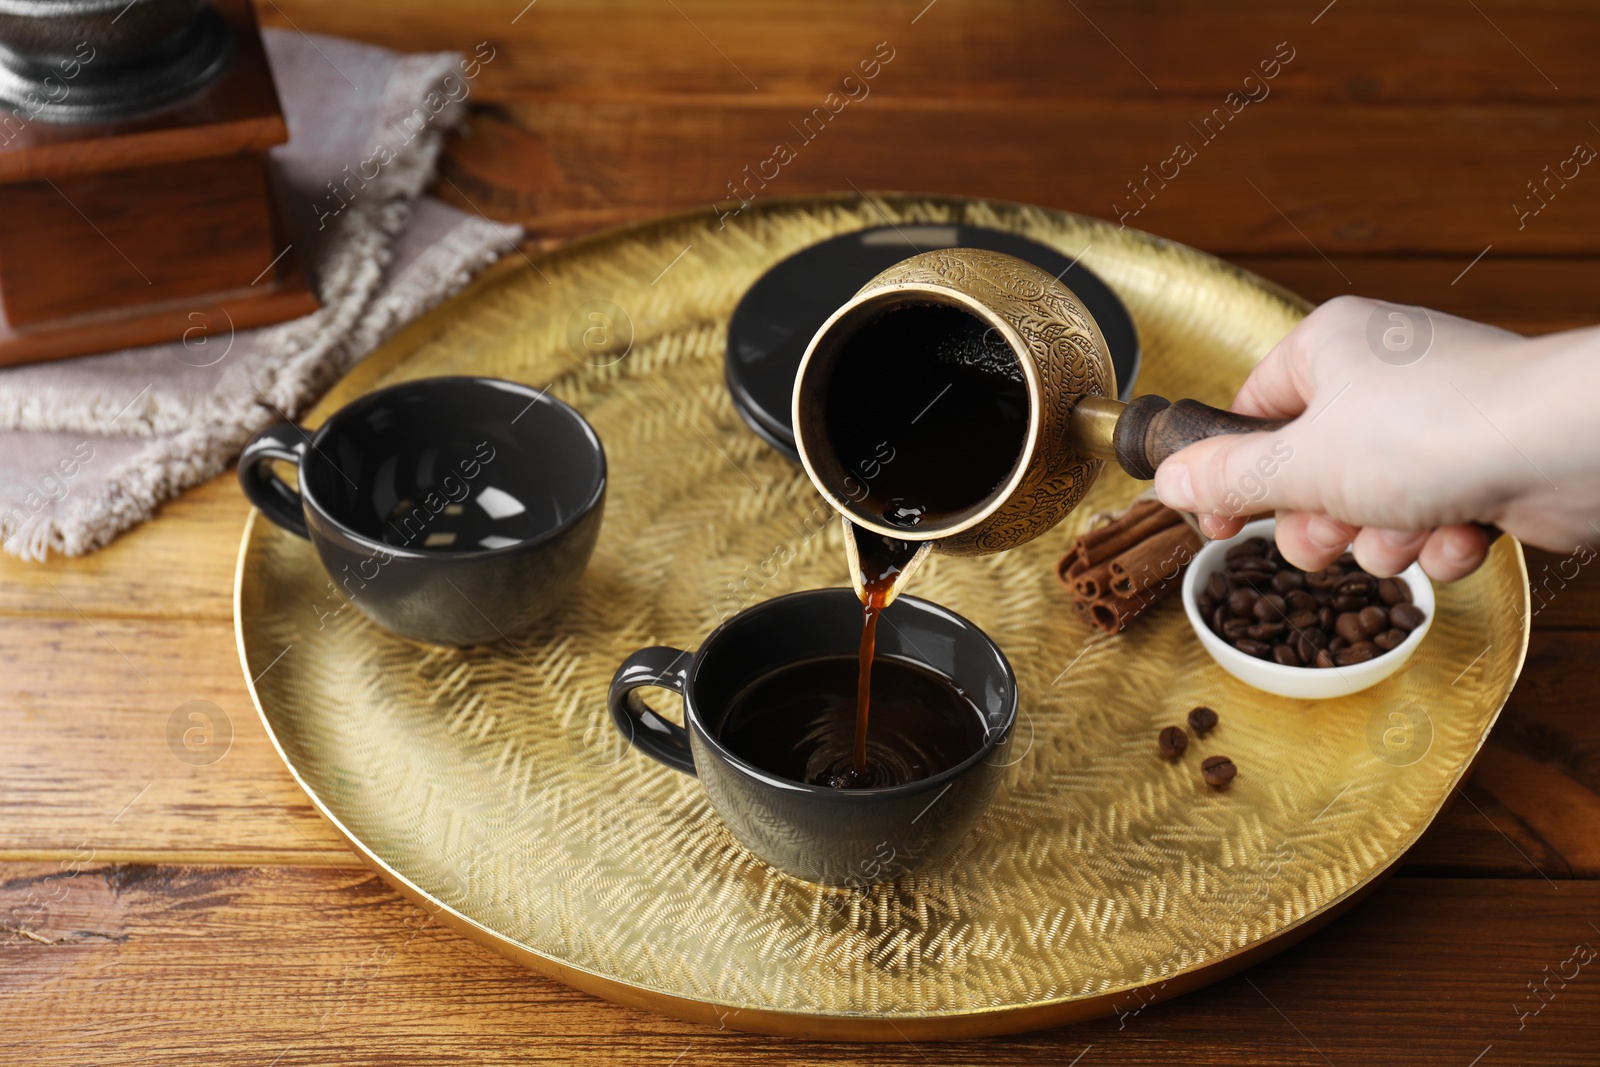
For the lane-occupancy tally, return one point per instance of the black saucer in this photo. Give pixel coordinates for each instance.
(777, 317)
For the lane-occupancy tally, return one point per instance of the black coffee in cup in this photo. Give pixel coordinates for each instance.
(769, 709)
(799, 722)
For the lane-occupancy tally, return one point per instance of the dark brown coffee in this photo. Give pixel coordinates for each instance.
(927, 409)
(799, 722)
(880, 560)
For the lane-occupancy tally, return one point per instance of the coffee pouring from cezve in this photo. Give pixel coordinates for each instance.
(964, 401)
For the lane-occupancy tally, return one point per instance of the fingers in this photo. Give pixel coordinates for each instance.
(1311, 542)
(1385, 553)
(1447, 554)
(1280, 386)
(1224, 477)
(1283, 384)
(1453, 552)
(1218, 528)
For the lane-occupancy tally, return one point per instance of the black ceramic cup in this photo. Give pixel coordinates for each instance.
(455, 511)
(816, 832)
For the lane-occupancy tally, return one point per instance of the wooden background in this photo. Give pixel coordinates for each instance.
(157, 912)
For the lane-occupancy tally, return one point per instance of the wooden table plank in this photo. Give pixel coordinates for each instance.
(170, 965)
(178, 567)
(92, 758)
(1260, 185)
(995, 49)
(1528, 295)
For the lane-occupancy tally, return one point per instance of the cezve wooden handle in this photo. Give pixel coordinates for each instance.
(1152, 428)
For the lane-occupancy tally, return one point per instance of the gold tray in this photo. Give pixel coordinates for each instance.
(490, 786)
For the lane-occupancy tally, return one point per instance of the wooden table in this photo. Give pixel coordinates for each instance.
(158, 912)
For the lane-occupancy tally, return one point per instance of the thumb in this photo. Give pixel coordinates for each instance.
(1227, 476)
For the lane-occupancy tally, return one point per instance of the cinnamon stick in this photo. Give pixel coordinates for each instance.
(1121, 567)
(1093, 538)
(1098, 546)
(1092, 582)
(1128, 532)
(1155, 561)
(1112, 614)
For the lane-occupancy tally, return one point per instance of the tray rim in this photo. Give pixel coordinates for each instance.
(841, 1026)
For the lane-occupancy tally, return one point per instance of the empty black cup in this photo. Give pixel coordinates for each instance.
(816, 832)
(455, 511)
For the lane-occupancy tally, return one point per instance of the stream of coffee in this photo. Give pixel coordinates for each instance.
(881, 561)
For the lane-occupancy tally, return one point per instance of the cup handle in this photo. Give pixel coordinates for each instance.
(644, 729)
(266, 490)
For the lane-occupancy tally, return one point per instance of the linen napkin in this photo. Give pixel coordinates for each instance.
(91, 446)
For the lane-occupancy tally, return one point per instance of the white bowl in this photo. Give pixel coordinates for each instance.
(1304, 683)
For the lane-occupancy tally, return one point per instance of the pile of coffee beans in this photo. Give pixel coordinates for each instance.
(1268, 608)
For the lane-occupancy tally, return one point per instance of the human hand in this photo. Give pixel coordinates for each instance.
(1409, 426)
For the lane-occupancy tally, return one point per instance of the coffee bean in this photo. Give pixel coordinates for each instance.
(1273, 554)
(1348, 626)
(1266, 631)
(1258, 566)
(1218, 771)
(1394, 591)
(1202, 720)
(1407, 616)
(1390, 640)
(1374, 620)
(1251, 647)
(1208, 606)
(1336, 644)
(1234, 629)
(1260, 581)
(1220, 617)
(1255, 546)
(1286, 655)
(1218, 587)
(1347, 561)
(1324, 659)
(1324, 580)
(1300, 600)
(1361, 584)
(1304, 620)
(1349, 603)
(1308, 641)
(1325, 617)
(1287, 582)
(1269, 608)
(1242, 602)
(1356, 653)
(1173, 742)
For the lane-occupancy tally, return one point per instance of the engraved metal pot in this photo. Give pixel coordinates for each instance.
(1063, 358)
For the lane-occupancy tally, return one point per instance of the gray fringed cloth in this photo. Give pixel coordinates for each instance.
(92, 446)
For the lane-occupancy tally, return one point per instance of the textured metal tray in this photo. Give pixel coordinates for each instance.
(488, 784)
